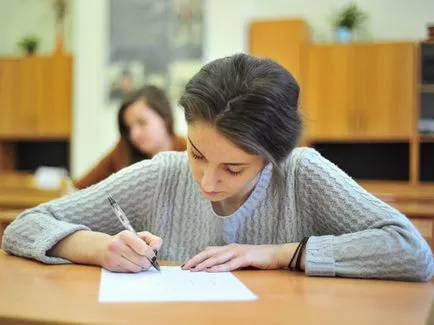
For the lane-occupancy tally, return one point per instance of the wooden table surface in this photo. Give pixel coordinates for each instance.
(34, 292)
(393, 191)
(19, 191)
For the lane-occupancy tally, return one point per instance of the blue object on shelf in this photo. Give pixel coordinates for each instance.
(343, 35)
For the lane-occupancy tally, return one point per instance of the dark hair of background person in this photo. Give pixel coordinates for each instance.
(156, 99)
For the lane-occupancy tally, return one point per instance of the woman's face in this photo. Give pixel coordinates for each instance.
(147, 130)
(222, 170)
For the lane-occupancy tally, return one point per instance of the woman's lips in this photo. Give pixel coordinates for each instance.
(210, 193)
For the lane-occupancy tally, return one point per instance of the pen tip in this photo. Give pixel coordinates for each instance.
(110, 199)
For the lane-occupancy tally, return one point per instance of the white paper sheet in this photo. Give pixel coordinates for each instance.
(171, 284)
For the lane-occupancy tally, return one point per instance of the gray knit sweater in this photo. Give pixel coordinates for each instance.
(353, 234)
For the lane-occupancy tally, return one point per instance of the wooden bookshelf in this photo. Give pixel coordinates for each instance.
(277, 39)
(35, 103)
(360, 101)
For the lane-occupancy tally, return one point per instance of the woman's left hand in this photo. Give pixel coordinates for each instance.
(235, 256)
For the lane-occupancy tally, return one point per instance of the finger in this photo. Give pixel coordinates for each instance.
(126, 266)
(231, 265)
(136, 243)
(151, 240)
(202, 256)
(138, 246)
(219, 258)
(141, 261)
(119, 247)
(212, 247)
(118, 268)
(129, 266)
(123, 265)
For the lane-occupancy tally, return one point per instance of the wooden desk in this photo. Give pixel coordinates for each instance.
(400, 191)
(16, 179)
(415, 201)
(18, 191)
(12, 199)
(69, 293)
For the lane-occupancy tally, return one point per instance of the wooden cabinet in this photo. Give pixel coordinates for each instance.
(360, 101)
(386, 93)
(360, 91)
(35, 110)
(9, 70)
(285, 41)
(328, 98)
(35, 97)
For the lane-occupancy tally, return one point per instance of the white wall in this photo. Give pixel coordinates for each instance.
(19, 18)
(94, 128)
(226, 23)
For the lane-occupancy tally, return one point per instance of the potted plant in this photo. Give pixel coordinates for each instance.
(430, 29)
(29, 44)
(348, 19)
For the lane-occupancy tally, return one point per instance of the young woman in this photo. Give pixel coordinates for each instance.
(145, 122)
(243, 195)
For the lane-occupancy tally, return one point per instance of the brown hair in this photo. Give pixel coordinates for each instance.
(157, 100)
(251, 101)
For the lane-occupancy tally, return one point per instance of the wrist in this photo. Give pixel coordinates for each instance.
(284, 253)
(83, 246)
(98, 253)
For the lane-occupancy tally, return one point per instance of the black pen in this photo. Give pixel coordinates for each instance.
(126, 223)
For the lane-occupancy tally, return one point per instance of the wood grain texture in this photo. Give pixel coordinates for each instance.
(69, 293)
(360, 90)
(36, 97)
(285, 41)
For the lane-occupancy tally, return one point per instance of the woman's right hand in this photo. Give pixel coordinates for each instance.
(126, 252)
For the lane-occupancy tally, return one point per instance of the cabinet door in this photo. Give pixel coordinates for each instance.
(26, 111)
(54, 107)
(284, 41)
(35, 97)
(328, 97)
(385, 96)
(8, 79)
(17, 116)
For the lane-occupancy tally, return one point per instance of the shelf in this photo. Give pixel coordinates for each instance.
(427, 88)
(427, 162)
(358, 139)
(29, 155)
(426, 138)
(22, 137)
(399, 191)
(369, 161)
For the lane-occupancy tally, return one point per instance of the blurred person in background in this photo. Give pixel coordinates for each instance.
(145, 121)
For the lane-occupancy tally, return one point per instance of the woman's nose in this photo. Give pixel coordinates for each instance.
(209, 179)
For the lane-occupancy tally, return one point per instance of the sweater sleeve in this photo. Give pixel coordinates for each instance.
(356, 234)
(37, 230)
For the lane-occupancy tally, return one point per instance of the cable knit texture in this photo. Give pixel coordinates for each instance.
(352, 233)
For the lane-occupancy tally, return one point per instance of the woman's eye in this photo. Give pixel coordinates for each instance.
(230, 171)
(234, 172)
